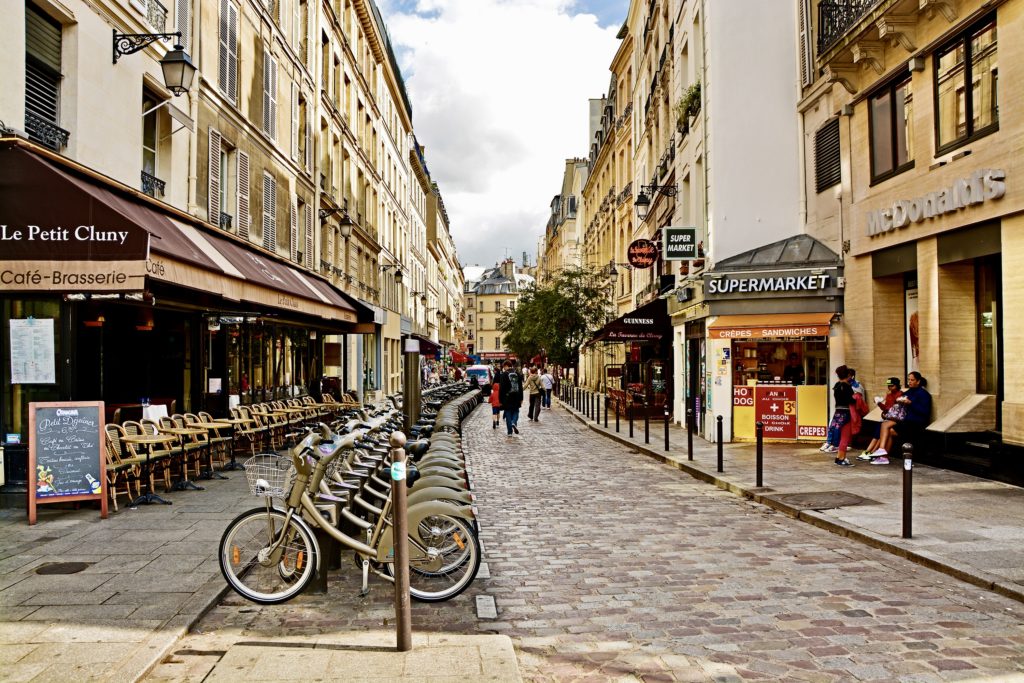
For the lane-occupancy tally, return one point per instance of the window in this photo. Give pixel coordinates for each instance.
(150, 134)
(42, 79)
(827, 160)
(269, 95)
(497, 342)
(269, 212)
(962, 112)
(891, 112)
(227, 63)
(497, 306)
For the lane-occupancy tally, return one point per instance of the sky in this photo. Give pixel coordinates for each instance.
(499, 92)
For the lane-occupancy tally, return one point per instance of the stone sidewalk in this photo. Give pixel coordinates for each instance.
(963, 526)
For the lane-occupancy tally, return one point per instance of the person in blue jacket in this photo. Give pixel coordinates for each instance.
(918, 404)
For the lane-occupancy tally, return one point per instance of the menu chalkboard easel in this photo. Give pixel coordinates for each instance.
(66, 461)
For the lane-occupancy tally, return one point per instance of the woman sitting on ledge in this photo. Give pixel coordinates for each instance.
(918, 404)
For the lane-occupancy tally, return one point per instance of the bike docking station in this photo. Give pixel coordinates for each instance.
(403, 603)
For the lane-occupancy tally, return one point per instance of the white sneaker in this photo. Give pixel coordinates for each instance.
(879, 453)
(824, 447)
(831, 449)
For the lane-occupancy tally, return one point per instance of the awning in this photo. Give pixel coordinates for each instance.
(770, 326)
(650, 322)
(100, 237)
(459, 357)
(428, 347)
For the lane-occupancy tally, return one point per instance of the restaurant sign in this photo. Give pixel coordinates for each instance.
(642, 253)
(981, 186)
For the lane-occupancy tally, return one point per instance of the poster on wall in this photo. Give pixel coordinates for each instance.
(913, 327)
(32, 351)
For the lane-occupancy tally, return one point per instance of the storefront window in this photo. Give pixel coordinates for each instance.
(16, 397)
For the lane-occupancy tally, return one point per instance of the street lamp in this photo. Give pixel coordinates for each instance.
(177, 65)
(643, 200)
(613, 272)
(345, 222)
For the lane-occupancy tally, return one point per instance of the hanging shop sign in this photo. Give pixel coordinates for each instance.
(981, 186)
(680, 244)
(642, 253)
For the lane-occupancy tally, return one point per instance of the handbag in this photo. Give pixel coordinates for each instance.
(898, 413)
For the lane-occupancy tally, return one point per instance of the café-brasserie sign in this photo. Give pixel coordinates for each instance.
(642, 253)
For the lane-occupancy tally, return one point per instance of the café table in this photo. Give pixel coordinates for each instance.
(211, 427)
(148, 441)
(181, 432)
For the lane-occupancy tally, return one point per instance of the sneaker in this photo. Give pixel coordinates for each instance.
(515, 429)
(494, 425)
(844, 463)
(824, 447)
(864, 456)
(830, 449)
(880, 460)
(880, 452)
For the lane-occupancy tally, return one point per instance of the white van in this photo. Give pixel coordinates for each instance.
(483, 376)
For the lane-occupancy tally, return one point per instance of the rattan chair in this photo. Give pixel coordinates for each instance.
(123, 466)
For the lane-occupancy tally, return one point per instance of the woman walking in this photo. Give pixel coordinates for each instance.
(842, 419)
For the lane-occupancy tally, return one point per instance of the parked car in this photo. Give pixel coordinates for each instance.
(483, 375)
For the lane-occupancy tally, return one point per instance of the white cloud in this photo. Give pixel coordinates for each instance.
(499, 91)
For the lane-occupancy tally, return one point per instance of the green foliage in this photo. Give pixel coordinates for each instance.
(689, 105)
(558, 316)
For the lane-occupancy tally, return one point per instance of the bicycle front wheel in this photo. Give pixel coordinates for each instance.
(444, 560)
(257, 566)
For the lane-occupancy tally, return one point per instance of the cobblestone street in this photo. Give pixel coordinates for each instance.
(606, 565)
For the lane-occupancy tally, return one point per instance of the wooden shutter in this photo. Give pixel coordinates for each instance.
(269, 212)
(243, 194)
(42, 69)
(213, 200)
(269, 95)
(827, 156)
(806, 66)
(222, 48)
(232, 52)
(293, 230)
(183, 21)
(295, 121)
(309, 137)
(309, 236)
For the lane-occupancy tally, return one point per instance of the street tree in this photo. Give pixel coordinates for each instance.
(555, 319)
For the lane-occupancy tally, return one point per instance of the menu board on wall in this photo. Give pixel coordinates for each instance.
(66, 459)
(32, 351)
(776, 409)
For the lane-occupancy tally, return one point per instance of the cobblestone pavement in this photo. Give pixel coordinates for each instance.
(605, 565)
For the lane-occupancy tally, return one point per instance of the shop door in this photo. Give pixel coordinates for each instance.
(988, 288)
(695, 398)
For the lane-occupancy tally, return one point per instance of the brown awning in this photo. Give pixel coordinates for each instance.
(650, 322)
(770, 326)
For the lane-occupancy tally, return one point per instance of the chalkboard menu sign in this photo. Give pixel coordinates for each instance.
(66, 458)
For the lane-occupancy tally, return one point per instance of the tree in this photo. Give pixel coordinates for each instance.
(558, 317)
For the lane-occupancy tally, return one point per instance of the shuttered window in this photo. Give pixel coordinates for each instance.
(214, 207)
(269, 212)
(308, 215)
(269, 95)
(243, 195)
(42, 76)
(806, 63)
(295, 122)
(293, 230)
(183, 22)
(227, 63)
(827, 157)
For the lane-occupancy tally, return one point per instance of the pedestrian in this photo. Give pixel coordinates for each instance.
(510, 393)
(548, 382)
(458, 374)
(495, 401)
(916, 404)
(842, 419)
(885, 404)
(534, 385)
(794, 372)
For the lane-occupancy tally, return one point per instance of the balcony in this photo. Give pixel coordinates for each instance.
(42, 131)
(225, 220)
(837, 17)
(156, 15)
(151, 185)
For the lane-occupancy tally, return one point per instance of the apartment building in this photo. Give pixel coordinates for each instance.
(486, 297)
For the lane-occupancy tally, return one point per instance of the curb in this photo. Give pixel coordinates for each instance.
(934, 562)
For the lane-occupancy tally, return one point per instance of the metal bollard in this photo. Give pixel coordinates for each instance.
(399, 494)
(629, 409)
(721, 466)
(597, 408)
(689, 433)
(647, 424)
(760, 453)
(606, 412)
(616, 416)
(666, 428)
(908, 489)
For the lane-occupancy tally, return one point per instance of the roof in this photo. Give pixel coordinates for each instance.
(800, 250)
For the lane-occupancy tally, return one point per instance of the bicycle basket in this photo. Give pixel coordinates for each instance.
(269, 474)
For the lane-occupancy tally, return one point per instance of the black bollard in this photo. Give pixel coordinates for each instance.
(666, 428)
(616, 416)
(721, 467)
(689, 433)
(597, 408)
(908, 489)
(606, 412)
(647, 424)
(629, 409)
(760, 453)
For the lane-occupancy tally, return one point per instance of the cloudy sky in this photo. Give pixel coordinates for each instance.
(499, 92)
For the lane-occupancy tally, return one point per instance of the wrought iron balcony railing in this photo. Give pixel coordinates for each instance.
(45, 132)
(225, 220)
(151, 185)
(156, 14)
(837, 17)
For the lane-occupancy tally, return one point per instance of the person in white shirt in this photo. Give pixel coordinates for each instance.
(548, 382)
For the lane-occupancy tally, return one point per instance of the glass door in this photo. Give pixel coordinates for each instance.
(988, 286)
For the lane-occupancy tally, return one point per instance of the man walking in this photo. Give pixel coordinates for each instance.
(548, 383)
(511, 396)
(536, 388)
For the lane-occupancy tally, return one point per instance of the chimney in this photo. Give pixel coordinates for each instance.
(508, 268)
